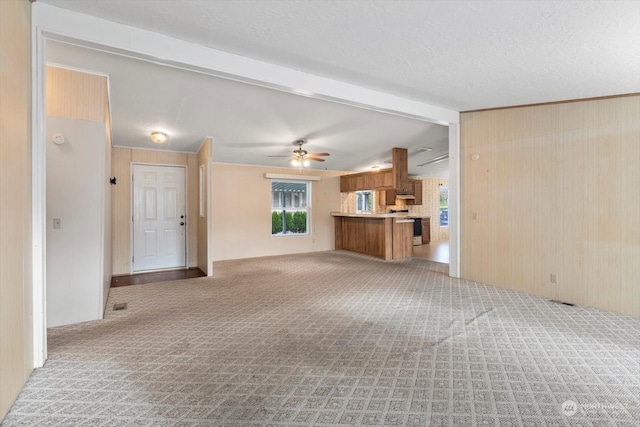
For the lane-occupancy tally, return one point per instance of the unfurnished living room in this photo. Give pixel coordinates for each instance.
(331, 213)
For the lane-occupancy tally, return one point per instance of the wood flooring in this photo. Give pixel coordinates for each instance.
(155, 277)
(437, 251)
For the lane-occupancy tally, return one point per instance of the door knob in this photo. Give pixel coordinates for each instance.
(182, 223)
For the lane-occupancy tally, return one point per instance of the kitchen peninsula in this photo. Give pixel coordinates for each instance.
(386, 236)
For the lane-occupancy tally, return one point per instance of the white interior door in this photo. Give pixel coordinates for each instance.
(159, 217)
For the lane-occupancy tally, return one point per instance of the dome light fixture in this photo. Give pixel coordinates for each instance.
(159, 137)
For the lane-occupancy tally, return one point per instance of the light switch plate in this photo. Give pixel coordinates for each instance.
(57, 224)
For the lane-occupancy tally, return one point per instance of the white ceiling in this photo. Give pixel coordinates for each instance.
(460, 55)
(247, 122)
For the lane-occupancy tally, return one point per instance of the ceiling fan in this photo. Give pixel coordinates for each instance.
(302, 157)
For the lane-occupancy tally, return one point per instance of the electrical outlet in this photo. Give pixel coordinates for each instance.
(57, 224)
(554, 278)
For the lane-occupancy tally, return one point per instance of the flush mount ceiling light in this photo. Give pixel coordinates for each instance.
(159, 137)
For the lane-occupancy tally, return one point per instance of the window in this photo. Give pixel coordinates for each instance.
(365, 201)
(290, 202)
(444, 207)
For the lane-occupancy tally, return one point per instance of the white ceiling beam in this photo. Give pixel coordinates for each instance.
(62, 24)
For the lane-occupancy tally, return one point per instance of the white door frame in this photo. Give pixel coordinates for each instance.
(65, 25)
(186, 210)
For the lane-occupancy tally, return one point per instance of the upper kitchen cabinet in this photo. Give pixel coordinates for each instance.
(416, 190)
(366, 181)
(386, 179)
(388, 197)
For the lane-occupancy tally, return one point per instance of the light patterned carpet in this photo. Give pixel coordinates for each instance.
(335, 338)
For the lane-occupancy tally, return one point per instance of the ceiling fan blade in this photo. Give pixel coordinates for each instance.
(314, 159)
(318, 154)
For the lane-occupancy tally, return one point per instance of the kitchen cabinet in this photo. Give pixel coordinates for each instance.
(400, 159)
(388, 197)
(381, 236)
(416, 190)
(426, 230)
(394, 178)
(366, 181)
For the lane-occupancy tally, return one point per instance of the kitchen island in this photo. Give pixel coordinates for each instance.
(386, 236)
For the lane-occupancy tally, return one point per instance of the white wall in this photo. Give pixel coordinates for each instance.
(241, 213)
(205, 238)
(107, 259)
(75, 194)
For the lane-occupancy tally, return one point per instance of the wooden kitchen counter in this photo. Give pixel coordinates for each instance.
(385, 236)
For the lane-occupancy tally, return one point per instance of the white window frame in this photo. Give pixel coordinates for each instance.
(440, 209)
(366, 209)
(280, 208)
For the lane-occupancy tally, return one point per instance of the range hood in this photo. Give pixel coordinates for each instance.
(405, 196)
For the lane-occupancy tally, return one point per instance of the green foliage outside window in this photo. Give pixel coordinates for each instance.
(276, 222)
(296, 222)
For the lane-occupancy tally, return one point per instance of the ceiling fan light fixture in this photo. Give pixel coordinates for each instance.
(295, 162)
(159, 137)
(305, 162)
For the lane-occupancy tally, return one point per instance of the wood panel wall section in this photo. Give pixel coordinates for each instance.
(555, 191)
(75, 95)
(121, 201)
(16, 326)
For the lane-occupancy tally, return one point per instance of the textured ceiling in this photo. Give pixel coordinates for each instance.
(460, 55)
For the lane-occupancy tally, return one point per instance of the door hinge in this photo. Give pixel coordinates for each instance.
(131, 259)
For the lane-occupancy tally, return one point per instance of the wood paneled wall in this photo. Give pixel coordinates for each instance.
(121, 201)
(75, 95)
(16, 325)
(555, 191)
